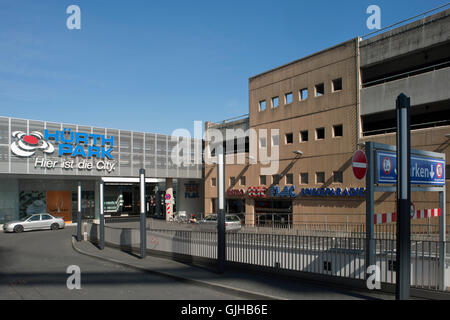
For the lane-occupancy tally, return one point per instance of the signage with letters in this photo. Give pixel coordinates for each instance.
(424, 170)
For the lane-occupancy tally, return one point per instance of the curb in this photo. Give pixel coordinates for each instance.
(218, 287)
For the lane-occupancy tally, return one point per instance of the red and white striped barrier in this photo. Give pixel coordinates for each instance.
(418, 214)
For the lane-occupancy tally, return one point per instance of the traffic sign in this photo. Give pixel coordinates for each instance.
(168, 196)
(359, 164)
(424, 170)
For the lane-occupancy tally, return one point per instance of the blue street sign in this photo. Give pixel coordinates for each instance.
(424, 170)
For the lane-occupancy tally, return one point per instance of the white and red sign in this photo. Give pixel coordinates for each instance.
(359, 164)
(382, 218)
(26, 145)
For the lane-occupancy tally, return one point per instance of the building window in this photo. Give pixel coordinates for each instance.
(337, 84)
(262, 180)
(320, 133)
(289, 178)
(243, 181)
(262, 105)
(275, 140)
(304, 178)
(288, 98)
(304, 136)
(338, 177)
(232, 181)
(303, 94)
(214, 205)
(276, 179)
(213, 182)
(337, 131)
(319, 89)
(275, 102)
(289, 138)
(320, 177)
(262, 142)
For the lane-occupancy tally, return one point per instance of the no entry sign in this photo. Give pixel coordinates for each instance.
(359, 164)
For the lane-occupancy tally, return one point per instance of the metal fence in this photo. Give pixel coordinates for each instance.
(334, 256)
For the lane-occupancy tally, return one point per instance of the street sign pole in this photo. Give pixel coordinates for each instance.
(221, 209)
(143, 231)
(403, 268)
(370, 178)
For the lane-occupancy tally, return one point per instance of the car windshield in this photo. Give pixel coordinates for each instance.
(25, 218)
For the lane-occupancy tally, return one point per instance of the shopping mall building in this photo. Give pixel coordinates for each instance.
(42, 164)
(318, 110)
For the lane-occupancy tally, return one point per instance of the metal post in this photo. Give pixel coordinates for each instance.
(370, 180)
(102, 216)
(221, 209)
(143, 230)
(79, 213)
(442, 238)
(403, 271)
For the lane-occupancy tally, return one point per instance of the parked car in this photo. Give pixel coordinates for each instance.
(34, 222)
(232, 222)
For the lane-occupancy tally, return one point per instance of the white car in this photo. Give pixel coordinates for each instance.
(232, 222)
(34, 222)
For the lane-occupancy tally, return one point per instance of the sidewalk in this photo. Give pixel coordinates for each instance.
(243, 284)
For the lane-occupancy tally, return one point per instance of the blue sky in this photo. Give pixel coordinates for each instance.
(156, 66)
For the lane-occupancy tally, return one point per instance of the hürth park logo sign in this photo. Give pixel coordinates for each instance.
(92, 151)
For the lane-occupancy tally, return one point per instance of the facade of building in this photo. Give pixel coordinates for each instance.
(317, 111)
(41, 164)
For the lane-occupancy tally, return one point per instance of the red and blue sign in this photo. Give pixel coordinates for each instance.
(424, 170)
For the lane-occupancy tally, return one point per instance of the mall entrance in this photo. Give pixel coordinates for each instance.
(273, 213)
(122, 200)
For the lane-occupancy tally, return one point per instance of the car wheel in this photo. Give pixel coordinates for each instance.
(54, 226)
(18, 229)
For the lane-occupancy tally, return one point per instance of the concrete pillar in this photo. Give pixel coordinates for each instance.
(169, 201)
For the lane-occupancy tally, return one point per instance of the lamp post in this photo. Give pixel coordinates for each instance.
(143, 218)
(79, 213)
(221, 253)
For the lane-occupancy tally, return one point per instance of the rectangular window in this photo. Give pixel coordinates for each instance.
(275, 140)
(262, 180)
(232, 181)
(275, 102)
(304, 178)
(337, 84)
(338, 177)
(213, 182)
(303, 94)
(243, 181)
(289, 178)
(337, 131)
(304, 136)
(262, 105)
(276, 179)
(289, 138)
(320, 133)
(262, 142)
(320, 177)
(288, 98)
(320, 89)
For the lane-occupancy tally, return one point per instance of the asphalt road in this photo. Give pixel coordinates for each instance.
(33, 266)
